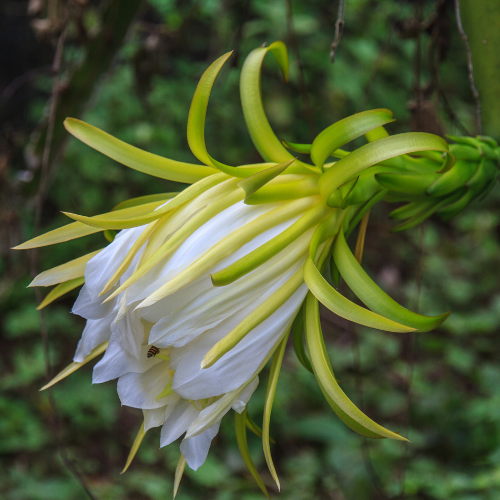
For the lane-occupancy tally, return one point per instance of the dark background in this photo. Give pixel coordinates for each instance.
(440, 389)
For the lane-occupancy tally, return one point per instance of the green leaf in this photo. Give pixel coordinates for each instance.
(340, 403)
(342, 306)
(241, 438)
(136, 158)
(60, 290)
(65, 272)
(345, 130)
(373, 296)
(376, 134)
(375, 152)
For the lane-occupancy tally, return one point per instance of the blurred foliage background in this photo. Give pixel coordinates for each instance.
(130, 68)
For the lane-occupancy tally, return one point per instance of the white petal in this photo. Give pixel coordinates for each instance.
(140, 390)
(199, 243)
(177, 422)
(129, 331)
(92, 308)
(101, 268)
(116, 362)
(96, 332)
(238, 365)
(218, 303)
(242, 400)
(195, 449)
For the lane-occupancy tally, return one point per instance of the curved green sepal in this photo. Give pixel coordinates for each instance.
(375, 152)
(136, 158)
(255, 318)
(142, 200)
(198, 111)
(60, 290)
(376, 134)
(427, 211)
(251, 184)
(345, 130)
(72, 367)
(302, 188)
(179, 471)
(298, 148)
(274, 374)
(65, 272)
(135, 447)
(298, 339)
(373, 296)
(342, 306)
(262, 254)
(454, 178)
(407, 183)
(78, 229)
(261, 133)
(340, 403)
(240, 421)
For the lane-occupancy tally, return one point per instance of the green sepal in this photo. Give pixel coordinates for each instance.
(109, 235)
(355, 220)
(373, 296)
(253, 183)
(302, 188)
(65, 272)
(376, 152)
(426, 212)
(342, 306)
(337, 399)
(407, 183)
(60, 290)
(141, 200)
(464, 152)
(345, 130)
(261, 133)
(454, 179)
(298, 339)
(272, 383)
(240, 421)
(298, 148)
(136, 158)
(376, 134)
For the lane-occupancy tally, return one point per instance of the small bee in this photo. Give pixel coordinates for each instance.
(153, 351)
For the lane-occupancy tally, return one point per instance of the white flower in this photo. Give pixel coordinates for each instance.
(187, 323)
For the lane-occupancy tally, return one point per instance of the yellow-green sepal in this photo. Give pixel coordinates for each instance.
(60, 290)
(345, 130)
(65, 272)
(339, 402)
(373, 296)
(240, 424)
(375, 152)
(132, 157)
